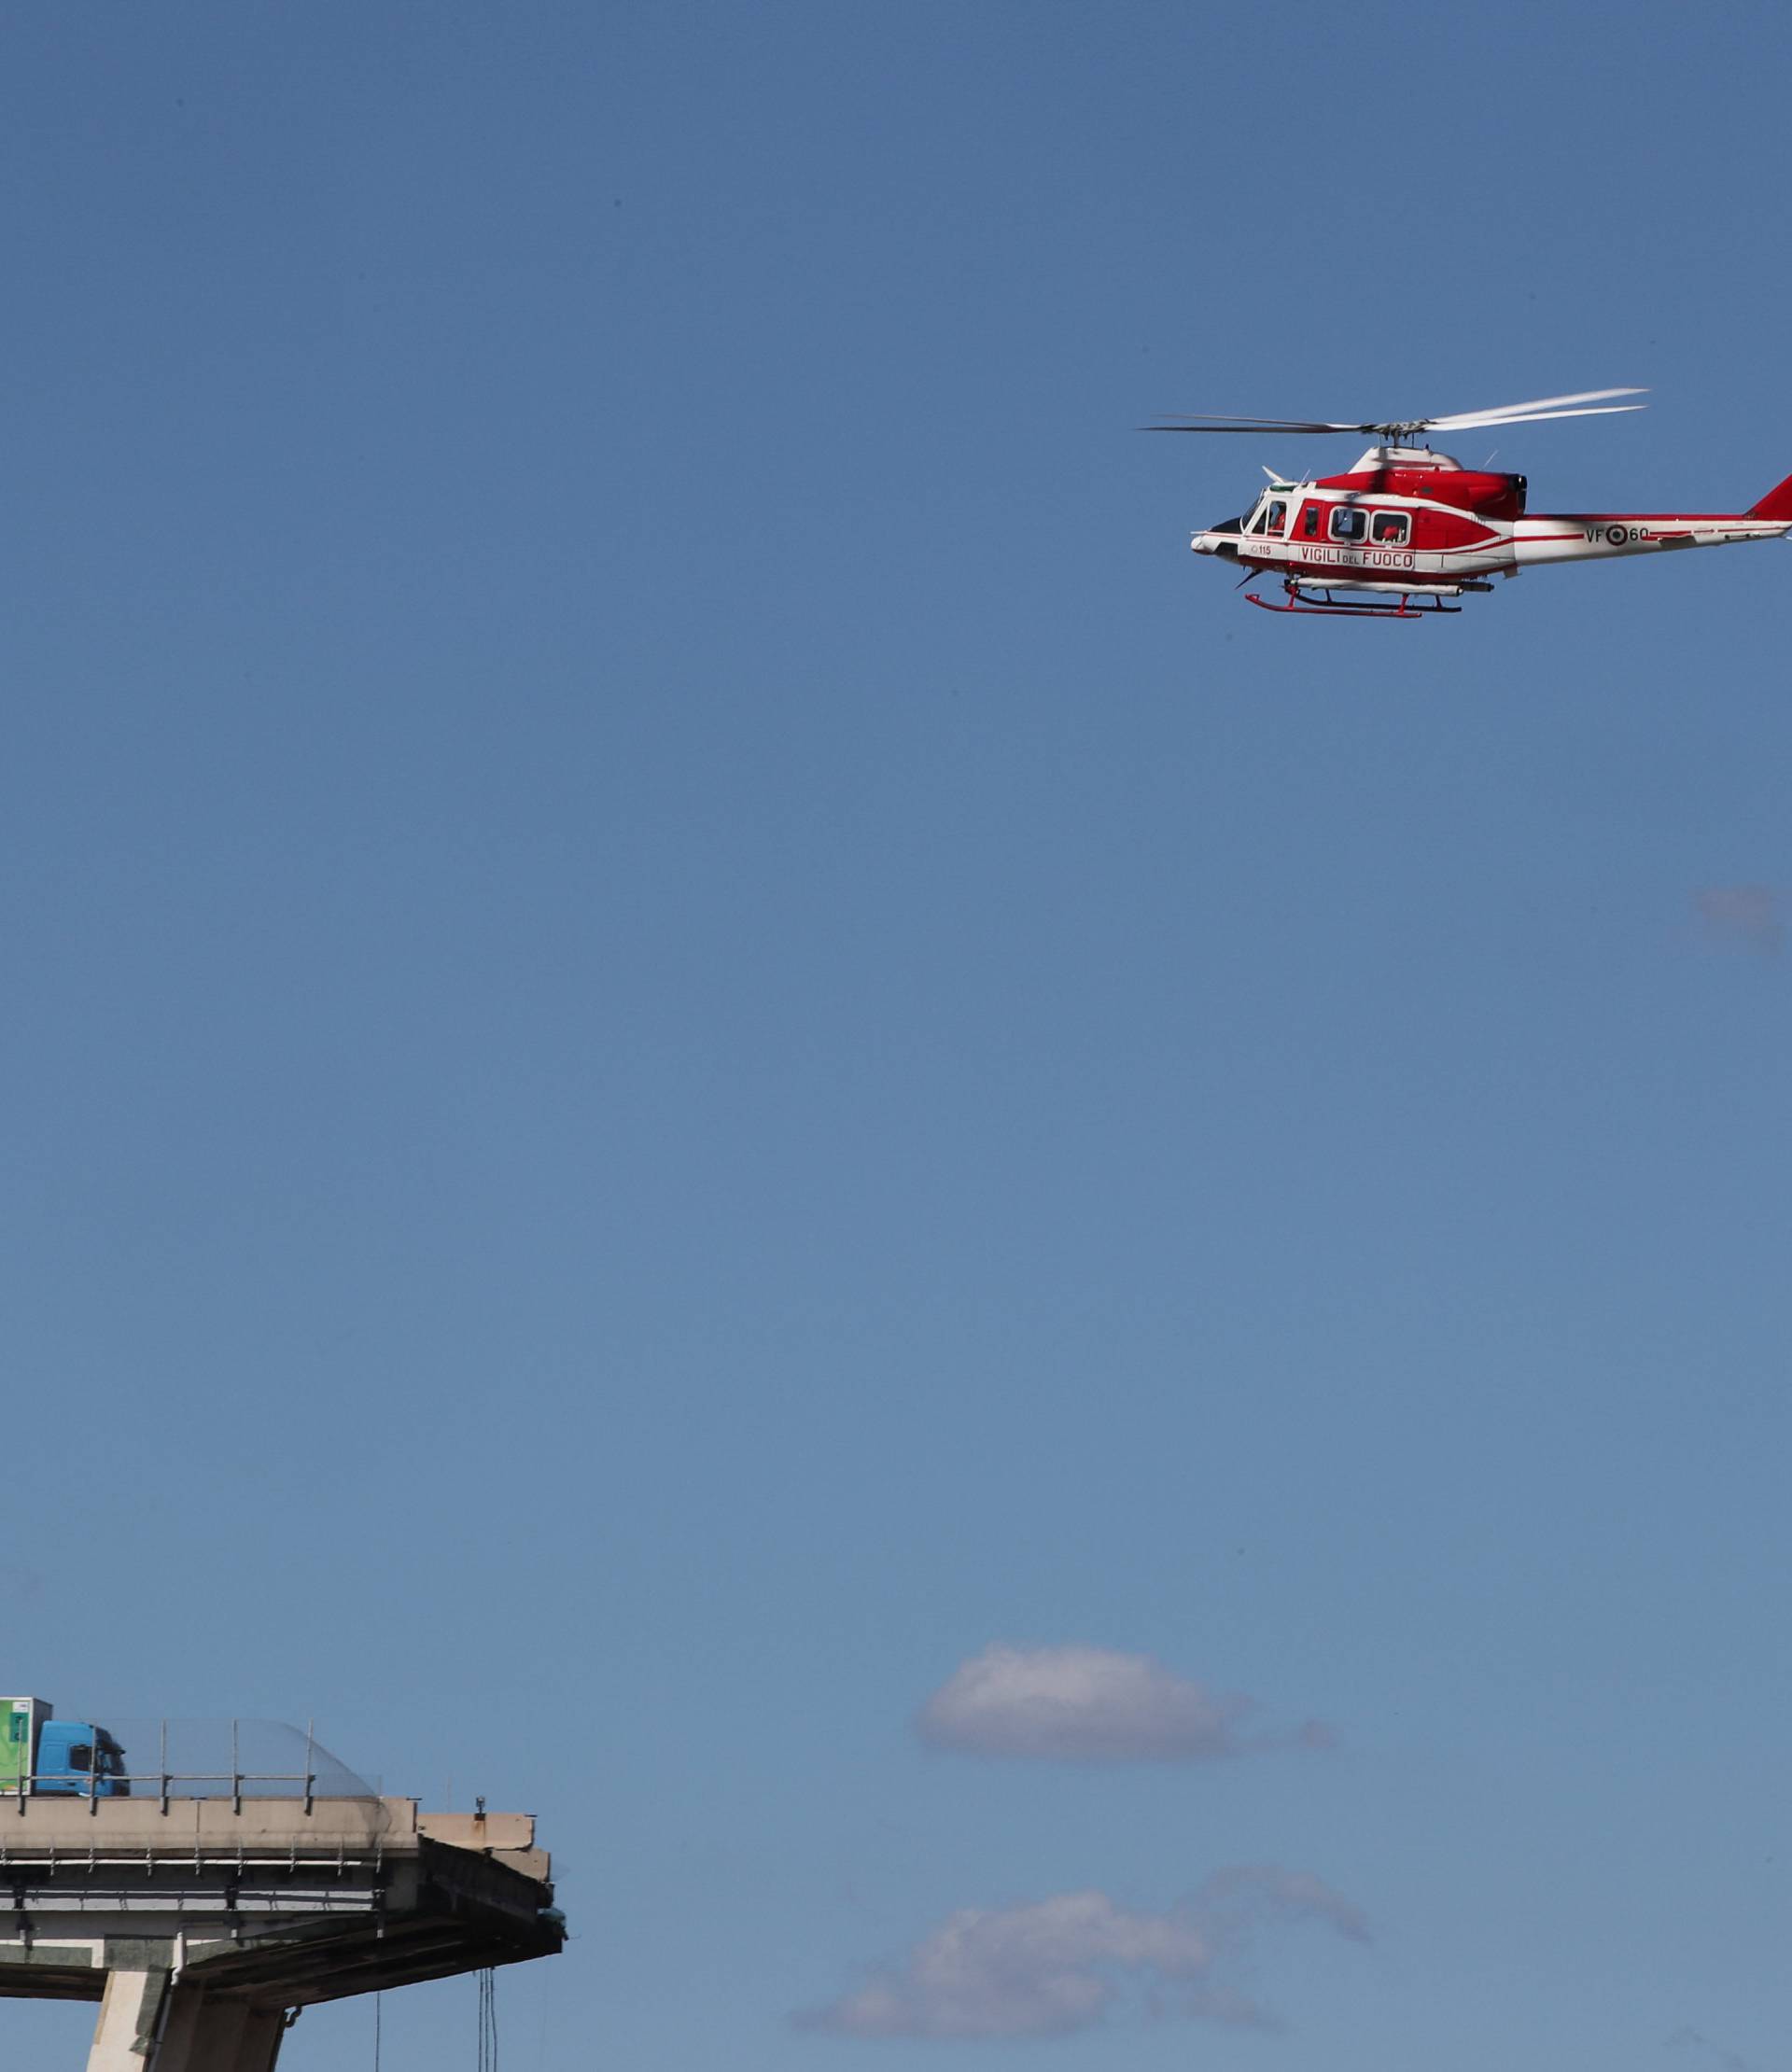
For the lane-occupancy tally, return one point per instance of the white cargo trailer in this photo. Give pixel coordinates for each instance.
(20, 1720)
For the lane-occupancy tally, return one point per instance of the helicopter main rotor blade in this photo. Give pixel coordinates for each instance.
(1249, 425)
(1528, 417)
(1555, 405)
(1588, 402)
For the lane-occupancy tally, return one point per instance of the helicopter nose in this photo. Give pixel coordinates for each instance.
(1215, 543)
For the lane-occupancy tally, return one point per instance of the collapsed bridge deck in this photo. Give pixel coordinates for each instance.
(199, 1925)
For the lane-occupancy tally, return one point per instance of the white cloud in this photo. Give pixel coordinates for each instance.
(1690, 2039)
(1750, 915)
(1057, 1965)
(1088, 1704)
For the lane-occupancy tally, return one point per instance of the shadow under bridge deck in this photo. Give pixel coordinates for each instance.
(201, 1924)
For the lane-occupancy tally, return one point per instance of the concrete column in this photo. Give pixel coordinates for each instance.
(199, 2035)
(125, 2033)
(205, 2035)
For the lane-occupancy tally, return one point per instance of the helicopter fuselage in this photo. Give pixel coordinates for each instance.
(1409, 520)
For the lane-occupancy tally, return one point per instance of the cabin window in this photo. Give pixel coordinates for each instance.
(80, 1755)
(1277, 520)
(1310, 522)
(1390, 528)
(1349, 524)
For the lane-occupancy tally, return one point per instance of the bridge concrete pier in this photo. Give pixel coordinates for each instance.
(200, 1927)
(208, 2036)
(150, 2024)
(130, 2019)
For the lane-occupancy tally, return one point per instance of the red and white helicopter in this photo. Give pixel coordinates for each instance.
(1405, 527)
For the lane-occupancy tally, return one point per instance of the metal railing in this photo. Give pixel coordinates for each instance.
(167, 1782)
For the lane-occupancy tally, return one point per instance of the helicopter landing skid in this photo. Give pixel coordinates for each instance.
(1325, 606)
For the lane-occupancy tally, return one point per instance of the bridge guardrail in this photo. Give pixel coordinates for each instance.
(234, 1759)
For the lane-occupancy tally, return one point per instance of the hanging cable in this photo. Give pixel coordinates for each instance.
(488, 2020)
(376, 2033)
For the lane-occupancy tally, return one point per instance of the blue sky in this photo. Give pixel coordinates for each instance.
(695, 1030)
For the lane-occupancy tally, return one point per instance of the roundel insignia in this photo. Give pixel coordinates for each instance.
(1617, 534)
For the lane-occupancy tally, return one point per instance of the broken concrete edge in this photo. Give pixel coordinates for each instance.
(441, 1894)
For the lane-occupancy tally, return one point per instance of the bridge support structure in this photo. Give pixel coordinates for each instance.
(148, 2021)
(202, 1926)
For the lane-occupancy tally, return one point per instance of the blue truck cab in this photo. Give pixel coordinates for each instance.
(78, 1760)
